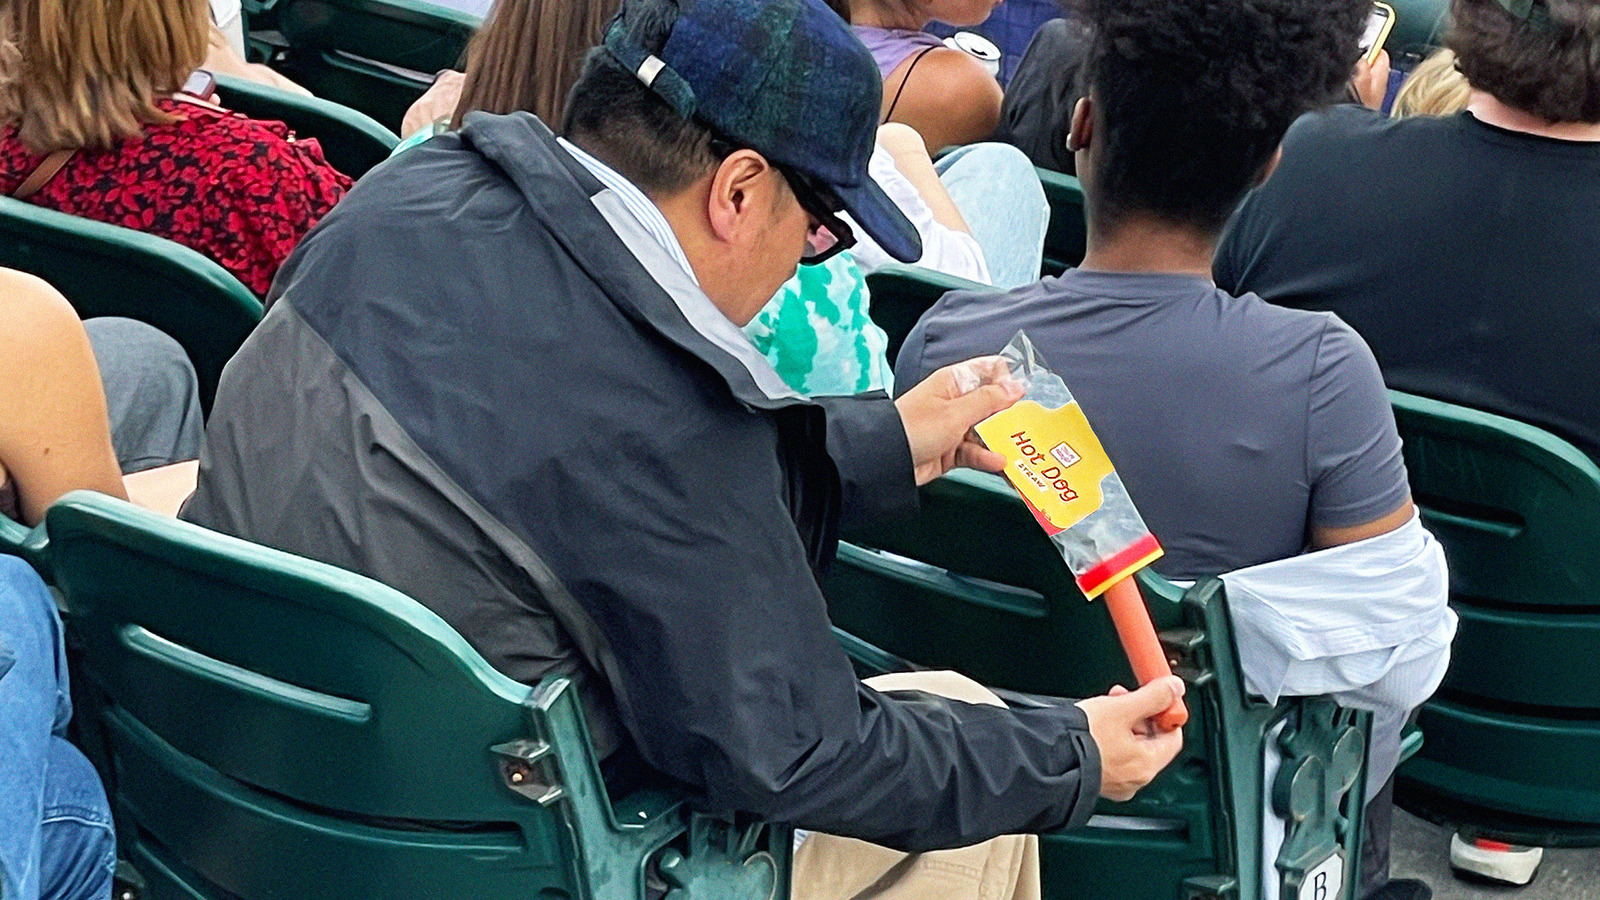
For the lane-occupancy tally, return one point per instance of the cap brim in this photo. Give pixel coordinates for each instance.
(880, 218)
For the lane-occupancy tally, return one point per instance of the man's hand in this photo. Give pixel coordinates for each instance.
(1371, 80)
(1132, 749)
(939, 413)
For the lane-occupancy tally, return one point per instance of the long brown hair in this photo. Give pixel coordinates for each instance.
(86, 73)
(528, 54)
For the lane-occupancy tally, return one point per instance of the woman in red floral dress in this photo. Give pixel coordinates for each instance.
(99, 78)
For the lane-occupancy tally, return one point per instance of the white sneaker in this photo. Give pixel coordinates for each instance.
(1495, 860)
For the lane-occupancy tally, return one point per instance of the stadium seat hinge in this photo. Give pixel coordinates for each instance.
(528, 767)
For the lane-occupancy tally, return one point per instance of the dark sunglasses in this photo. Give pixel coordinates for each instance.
(828, 235)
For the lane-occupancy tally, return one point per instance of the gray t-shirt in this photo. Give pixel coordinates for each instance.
(1236, 425)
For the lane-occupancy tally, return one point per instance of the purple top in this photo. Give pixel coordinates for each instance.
(890, 46)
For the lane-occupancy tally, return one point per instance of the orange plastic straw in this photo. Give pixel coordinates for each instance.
(1139, 641)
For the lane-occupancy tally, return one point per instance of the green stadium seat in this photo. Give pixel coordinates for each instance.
(899, 295)
(973, 584)
(106, 270)
(377, 56)
(1515, 728)
(1418, 27)
(1066, 235)
(17, 539)
(352, 142)
(279, 728)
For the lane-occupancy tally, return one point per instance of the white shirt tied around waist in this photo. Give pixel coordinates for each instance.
(1367, 623)
(1349, 618)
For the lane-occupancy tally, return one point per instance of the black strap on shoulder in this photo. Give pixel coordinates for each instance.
(905, 78)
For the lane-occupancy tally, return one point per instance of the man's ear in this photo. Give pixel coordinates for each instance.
(1082, 133)
(740, 194)
(1269, 166)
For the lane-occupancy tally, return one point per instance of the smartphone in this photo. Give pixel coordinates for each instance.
(1378, 25)
(200, 84)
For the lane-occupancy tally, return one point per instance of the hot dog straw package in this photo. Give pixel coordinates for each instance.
(1056, 463)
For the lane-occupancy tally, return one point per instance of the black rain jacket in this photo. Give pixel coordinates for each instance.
(481, 382)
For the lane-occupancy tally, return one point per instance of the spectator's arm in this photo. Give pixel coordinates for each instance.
(911, 159)
(901, 167)
(437, 104)
(222, 60)
(1358, 478)
(730, 679)
(53, 432)
(1323, 536)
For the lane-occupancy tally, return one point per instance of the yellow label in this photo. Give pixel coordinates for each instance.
(1052, 457)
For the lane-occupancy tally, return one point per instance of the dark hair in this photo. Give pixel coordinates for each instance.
(527, 55)
(612, 115)
(1545, 62)
(1193, 96)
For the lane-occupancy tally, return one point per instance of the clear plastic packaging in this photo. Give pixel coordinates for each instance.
(1057, 464)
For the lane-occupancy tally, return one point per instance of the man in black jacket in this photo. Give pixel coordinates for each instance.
(505, 376)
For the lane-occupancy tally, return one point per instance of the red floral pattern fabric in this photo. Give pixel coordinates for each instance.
(238, 190)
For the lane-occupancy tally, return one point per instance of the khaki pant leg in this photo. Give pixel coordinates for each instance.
(827, 867)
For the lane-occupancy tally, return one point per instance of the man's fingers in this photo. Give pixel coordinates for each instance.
(1163, 746)
(972, 408)
(974, 455)
(1155, 697)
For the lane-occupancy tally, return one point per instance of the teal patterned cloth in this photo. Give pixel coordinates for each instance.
(816, 332)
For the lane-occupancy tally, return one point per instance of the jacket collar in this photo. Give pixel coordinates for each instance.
(616, 252)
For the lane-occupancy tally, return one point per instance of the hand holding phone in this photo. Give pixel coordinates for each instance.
(1379, 23)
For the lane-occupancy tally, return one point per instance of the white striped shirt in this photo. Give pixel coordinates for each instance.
(636, 203)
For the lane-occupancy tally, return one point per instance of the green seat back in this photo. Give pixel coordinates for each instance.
(377, 56)
(106, 270)
(972, 584)
(1066, 236)
(1516, 510)
(352, 142)
(900, 294)
(1418, 27)
(17, 539)
(279, 728)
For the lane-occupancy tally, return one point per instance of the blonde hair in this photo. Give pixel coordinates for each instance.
(86, 73)
(1434, 88)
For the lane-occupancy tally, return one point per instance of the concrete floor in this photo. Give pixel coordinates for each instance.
(1422, 850)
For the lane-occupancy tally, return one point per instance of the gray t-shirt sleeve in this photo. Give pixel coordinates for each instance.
(1353, 461)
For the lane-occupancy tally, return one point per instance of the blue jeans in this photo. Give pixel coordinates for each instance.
(998, 193)
(56, 841)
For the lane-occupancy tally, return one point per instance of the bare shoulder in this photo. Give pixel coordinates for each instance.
(32, 313)
(949, 97)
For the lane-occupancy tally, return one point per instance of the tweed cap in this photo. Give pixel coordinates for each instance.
(785, 78)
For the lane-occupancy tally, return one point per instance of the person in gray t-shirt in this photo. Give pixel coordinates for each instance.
(1246, 433)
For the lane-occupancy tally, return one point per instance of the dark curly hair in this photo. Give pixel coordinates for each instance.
(1193, 96)
(1544, 61)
